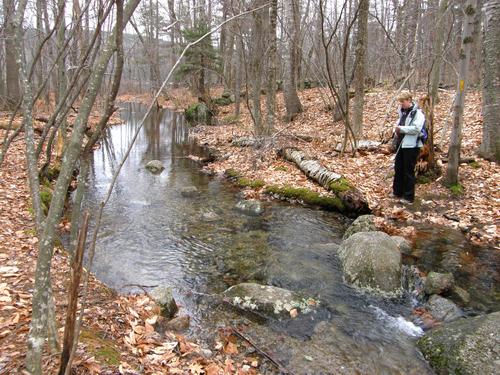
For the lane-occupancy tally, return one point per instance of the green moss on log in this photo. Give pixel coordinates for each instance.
(307, 196)
(254, 184)
(341, 185)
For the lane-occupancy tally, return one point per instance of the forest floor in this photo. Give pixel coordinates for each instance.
(475, 209)
(118, 333)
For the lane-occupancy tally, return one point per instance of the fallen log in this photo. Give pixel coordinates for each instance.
(353, 201)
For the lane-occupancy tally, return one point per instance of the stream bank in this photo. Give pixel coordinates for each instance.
(201, 244)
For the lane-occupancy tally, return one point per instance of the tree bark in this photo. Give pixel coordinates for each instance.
(437, 49)
(11, 66)
(256, 67)
(292, 55)
(469, 10)
(359, 70)
(490, 145)
(72, 152)
(352, 199)
(271, 70)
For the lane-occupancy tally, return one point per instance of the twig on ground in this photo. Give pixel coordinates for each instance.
(281, 368)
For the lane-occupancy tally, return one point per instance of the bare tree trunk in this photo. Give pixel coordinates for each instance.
(437, 49)
(238, 75)
(271, 70)
(476, 58)
(256, 66)
(11, 66)
(72, 152)
(174, 30)
(490, 146)
(2, 78)
(359, 70)
(292, 20)
(469, 10)
(61, 78)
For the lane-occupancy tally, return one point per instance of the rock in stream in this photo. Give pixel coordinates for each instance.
(269, 301)
(372, 261)
(155, 166)
(467, 346)
(250, 207)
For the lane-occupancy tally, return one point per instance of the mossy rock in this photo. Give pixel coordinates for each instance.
(372, 261)
(363, 223)
(465, 346)
(104, 350)
(198, 113)
(307, 196)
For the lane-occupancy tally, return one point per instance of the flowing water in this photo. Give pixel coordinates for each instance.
(152, 235)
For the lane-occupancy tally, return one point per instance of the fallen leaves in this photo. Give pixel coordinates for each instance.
(118, 332)
(314, 132)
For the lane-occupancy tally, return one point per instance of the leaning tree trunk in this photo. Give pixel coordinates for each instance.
(352, 199)
(359, 70)
(458, 110)
(490, 146)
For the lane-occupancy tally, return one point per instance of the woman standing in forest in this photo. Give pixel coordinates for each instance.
(408, 136)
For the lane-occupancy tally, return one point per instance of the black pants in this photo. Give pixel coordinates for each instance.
(404, 176)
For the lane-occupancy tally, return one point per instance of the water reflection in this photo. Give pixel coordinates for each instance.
(153, 235)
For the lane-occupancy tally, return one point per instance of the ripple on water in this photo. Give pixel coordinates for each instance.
(152, 235)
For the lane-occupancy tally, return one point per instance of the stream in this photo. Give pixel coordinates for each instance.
(152, 235)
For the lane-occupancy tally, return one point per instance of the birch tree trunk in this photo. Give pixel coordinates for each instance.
(469, 10)
(359, 70)
(490, 145)
(292, 21)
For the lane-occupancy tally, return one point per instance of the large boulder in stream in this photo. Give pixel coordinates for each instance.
(372, 261)
(269, 301)
(155, 166)
(363, 223)
(467, 346)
